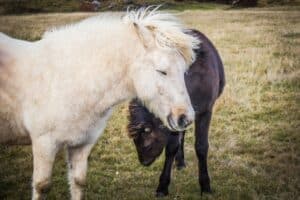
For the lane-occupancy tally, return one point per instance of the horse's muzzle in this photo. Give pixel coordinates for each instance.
(180, 124)
(183, 121)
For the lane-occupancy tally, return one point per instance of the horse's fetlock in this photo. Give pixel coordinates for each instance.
(161, 192)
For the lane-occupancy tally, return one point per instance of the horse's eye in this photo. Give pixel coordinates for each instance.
(162, 72)
(147, 130)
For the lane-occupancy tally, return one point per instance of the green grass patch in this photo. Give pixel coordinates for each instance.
(254, 136)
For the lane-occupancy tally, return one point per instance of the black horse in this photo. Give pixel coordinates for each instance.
(205, 82)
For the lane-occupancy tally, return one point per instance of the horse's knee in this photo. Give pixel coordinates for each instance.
(80, 181)
(42, 186)
(201, 149)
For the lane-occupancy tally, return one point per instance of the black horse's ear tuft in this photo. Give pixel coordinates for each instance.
(200, 53)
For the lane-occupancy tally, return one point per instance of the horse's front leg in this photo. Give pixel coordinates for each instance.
(77, 163)
(44, 150)
(180, 163)
(165, 177)
(201, 146)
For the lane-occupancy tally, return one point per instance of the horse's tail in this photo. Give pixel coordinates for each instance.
(222, 81)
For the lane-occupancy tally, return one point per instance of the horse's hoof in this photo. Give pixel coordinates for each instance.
(206, 189)
(161, 194)
(181, 166)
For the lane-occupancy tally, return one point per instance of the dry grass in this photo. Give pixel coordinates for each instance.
(254, 140)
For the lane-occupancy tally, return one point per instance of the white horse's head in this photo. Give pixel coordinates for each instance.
(158, 73)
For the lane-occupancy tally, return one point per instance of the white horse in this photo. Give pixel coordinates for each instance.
(59, 91)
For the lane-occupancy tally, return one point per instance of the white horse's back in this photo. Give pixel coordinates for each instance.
(9, 43)
(11, 130)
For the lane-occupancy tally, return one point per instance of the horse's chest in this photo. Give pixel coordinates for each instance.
(92, 132)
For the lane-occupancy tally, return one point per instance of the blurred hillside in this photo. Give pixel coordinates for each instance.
(37, 6)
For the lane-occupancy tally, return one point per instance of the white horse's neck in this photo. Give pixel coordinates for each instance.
(97, 60)
(121, 91)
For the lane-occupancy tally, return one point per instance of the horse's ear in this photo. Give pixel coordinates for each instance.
(145, 34)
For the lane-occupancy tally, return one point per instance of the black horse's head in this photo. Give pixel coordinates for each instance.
(147, 131)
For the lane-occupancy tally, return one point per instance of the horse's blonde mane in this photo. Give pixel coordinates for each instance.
(164, 28)
(167, 30)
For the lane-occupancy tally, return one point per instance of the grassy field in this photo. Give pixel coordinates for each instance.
(255, 132)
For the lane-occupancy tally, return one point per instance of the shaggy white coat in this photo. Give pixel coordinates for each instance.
(59, 91)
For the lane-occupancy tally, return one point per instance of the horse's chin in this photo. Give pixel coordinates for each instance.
(147, 163)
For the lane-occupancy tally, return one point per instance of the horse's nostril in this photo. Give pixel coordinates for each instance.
(183, 121)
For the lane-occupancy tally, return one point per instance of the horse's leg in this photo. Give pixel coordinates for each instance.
(78, 158)
(165, 177)
(201, 146)
(180, 163)
(77, 163)
(44, 150)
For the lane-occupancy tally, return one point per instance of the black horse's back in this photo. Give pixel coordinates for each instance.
(205, 79)
(207, 46)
